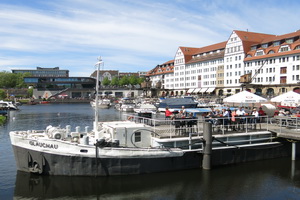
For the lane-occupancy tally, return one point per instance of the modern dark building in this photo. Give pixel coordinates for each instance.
(70, 87)
(44, 72)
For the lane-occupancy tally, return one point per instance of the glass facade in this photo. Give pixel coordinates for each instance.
(61, 83)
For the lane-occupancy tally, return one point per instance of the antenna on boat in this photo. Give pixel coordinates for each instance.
(98, 64)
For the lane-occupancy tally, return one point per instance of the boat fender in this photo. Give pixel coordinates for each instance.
(57, 135)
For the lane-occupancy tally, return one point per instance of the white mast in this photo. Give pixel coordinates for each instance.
(98, 64)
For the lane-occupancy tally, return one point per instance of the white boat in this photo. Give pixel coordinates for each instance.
(8, 105)
(145, 107)
(136, 146)
(126, 105)
(102, 103)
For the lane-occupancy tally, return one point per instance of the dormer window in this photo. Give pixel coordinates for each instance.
(264, 45)
(259, 53)
(276, 43)
(289, 41)
(284, 48)
(253, 48)
(271, 52)
(297, 47)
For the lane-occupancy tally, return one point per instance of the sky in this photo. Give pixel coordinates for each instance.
(129, 35)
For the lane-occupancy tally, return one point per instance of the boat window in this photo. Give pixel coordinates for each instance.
(137, 137)
(83, 150)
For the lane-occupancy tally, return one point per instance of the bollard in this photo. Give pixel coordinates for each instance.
(207, 145)
(293, 150)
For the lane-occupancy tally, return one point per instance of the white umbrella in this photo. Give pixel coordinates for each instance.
(244, 97)
(288, 98)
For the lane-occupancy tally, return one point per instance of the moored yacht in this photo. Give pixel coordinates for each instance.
(102, 103)
(8, 105)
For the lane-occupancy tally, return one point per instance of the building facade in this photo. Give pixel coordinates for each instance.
(264, 64)
(43, 72)
(162, 79)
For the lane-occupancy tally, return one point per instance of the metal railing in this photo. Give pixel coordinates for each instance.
(286, 122)
(167, 128)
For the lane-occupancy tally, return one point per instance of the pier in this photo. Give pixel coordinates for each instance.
(288, 128)
(245, 132)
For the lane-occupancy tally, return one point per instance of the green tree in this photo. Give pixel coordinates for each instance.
(114, 81)
(105, 81)
(11, 80)
(140, 80)
(8, 80)
(30, 92)
(20, 80)
(2, 94)
(124, 81)
(133, 80)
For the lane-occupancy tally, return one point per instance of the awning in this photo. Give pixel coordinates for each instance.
(210, 89)
(190, 90)
(203, 90)
(197, 90)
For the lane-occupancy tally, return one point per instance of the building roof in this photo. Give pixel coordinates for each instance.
(212, 47)
(188, 52)
(165, 68)
(250, 38)
(281, 37)
(271, 50)
(209, 53)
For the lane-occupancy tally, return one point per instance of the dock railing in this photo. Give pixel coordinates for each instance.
(186, 127)
(286, 122)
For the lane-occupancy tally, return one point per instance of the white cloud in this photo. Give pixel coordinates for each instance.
(130, 35)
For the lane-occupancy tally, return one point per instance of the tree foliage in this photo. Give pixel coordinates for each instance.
(140, 80)
(2, 94)
(11, 80)
(133, 80)
(30, 92)
(124, 81)
(105, 81)
(114, 81)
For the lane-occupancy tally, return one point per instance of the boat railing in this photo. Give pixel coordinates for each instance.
(186, 127)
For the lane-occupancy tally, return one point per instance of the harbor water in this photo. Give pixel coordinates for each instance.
(268, 179)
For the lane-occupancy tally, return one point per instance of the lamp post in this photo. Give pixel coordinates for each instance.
(98, 64)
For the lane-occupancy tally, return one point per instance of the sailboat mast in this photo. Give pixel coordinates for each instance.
(97, 96)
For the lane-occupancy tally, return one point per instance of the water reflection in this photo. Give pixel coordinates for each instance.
(257, 180)
(270, 179)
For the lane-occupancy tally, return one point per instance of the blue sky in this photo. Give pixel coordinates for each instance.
(130, 35)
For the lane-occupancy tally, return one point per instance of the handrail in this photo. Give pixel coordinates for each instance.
(220, 125)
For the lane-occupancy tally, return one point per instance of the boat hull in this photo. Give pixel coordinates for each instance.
(54, 164)
(74, 165)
